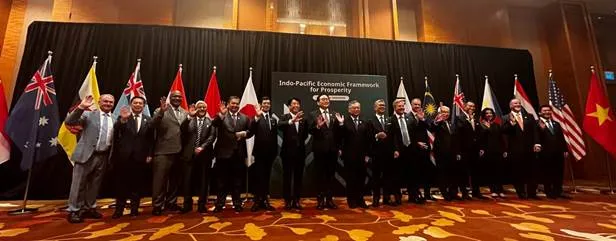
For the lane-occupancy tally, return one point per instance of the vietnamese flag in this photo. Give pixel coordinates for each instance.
(599, 121)
(178, 86)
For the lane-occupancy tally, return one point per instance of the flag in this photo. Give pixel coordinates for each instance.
(34, 122)
(402, 95)
(248, 106)
(212, 96)
(429, 106)
(66, 137)
(458, 101)
(179, 86)
(520, 94)
(5, 146)
(490, 101)
(134, 87)
(564, 116)
(599, 121)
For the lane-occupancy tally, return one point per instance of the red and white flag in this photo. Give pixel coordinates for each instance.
(248, 106)
(520, 94)
(5, 146)
(564, 116)
(179, 86)
(212, 96)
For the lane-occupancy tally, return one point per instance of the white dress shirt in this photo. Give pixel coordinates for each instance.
(109, 130)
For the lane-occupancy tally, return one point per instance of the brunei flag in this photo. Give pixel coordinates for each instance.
(67, 135)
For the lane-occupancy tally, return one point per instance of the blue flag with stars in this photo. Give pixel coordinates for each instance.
(34, 121)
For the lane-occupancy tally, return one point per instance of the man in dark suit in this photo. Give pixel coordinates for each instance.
(265, 151)
(198, 137)
(166, 165)
(466, 126)
(381, 152)
(553, 153)
(293, 153)
(91, 155)
(232, 129)
(422, 167)
(445, 150)
(323, 126)
(132, 151)
(402, 136)
(355, 140)
(523, 145)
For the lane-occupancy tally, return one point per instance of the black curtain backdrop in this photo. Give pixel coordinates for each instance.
(162, 48)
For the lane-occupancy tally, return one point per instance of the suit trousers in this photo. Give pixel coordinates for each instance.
(292, 176)
(87, 179)
(197, 169)
(410, 171)
(129, 176)
(553, 165)
(376, 180)
(166, 171)
(524, 173)
(230, 172)
(261, 172)
(355, 178)
(325, 165)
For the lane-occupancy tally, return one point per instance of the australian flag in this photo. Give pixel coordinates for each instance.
(34, 122)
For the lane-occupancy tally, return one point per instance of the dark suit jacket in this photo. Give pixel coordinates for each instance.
(445, 143)
(380, 148)
(266, 140)
(293, 141)
(551, 144)
(467, 136)
(189, 136)
(521, 141)
(396, 134)
(226, 142)
(355, 141)
(326, 138)
(130, 145)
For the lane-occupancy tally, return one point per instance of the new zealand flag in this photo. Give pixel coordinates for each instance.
(34, 122)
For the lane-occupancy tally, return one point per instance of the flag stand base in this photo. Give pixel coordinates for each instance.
(22, 211)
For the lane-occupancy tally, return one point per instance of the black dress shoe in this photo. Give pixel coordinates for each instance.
(255, 207)
(238, 208)
(362, 204)
(155, 211)
(466, 197)
(186, 209)
(92, 214)
(218, 208)
(320, 204)
(266, 205)
(173, 207)
(288, 204)
(134, 212)
(296, 205)
(429, 197)
(330, 204)
(376, 204)
(534, 197)
(74, 217)
(202, 208)
(118, 213)
(563, 196)
(480, 197)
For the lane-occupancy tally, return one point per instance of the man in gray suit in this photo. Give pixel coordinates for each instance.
(166, 164)
(90, 156)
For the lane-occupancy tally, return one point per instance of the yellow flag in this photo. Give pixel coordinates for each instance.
(89, 87)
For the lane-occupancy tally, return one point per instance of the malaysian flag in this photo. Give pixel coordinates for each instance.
(430, 111)
(563, 115)
(34, 121)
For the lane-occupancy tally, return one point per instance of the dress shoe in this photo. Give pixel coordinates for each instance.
(563, 196)
(362, 204)
(186, 209)
(330, 204)
(74, 217)
(320, 204)
(218, 208)
(429, 197)
(91, 214)
(266, 205)
(296, 205)
(534, 197)
(238, 208)
(134, 212)
(288, 204)
(173, 207)
(255, 207)
(155, 212)
(117, 213)
(502, 195)
(376, 204)
(202, 208)
(466, 197)
(480, 197)
(494, 195)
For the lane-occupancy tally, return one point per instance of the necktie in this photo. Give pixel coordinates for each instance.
(550, 127)
(382, 122)
(448, 128)
(356, 121)
(199, 127)
(234, 117)
(102, 142)
(518, 118)
(406, 140)
(472, 121)
(326, 116)
(269, 124)
(296, 124)
(178, 115)
(137, 122)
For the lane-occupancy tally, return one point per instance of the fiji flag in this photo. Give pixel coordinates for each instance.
(34, 122)
(134, 87)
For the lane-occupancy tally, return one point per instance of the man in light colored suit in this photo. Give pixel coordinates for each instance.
(166, 165)
(90, 156)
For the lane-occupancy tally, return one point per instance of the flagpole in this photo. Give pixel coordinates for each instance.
(24, 209)
(609, 173)
(248, 161)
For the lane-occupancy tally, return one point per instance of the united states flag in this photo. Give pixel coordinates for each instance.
(563, 114)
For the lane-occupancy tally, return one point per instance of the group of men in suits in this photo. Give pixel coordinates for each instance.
(179, 146)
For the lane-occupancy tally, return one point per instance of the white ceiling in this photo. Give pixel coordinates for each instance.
(594, 6)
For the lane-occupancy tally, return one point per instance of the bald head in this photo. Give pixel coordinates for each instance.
(515, 105)
(106, 102)
(176, 98)
(416, 105)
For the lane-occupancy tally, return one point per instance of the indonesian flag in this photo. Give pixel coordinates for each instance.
(402, 95)
(520, 94)
(248, 106)
(178, 85)
(212, 96)
(67, 135)
(5, 146)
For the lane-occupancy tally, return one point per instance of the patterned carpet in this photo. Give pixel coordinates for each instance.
(586, 217)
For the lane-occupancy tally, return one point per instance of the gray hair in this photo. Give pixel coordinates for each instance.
(201, 102)
(352, 102)
(442, 108)
(396, 101)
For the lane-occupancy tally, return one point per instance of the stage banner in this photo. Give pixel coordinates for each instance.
(341, 89)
